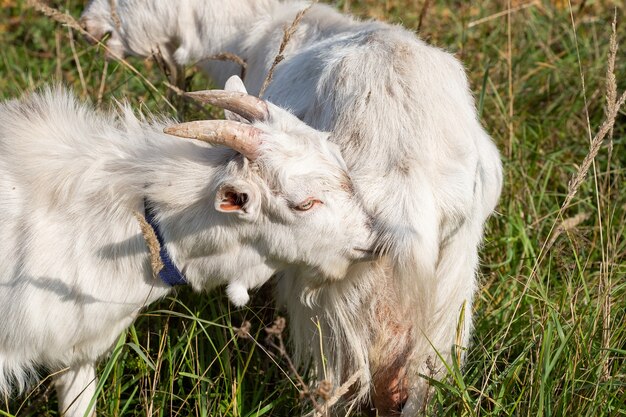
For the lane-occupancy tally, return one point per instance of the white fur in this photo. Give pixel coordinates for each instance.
(75, 271)
(428, 174)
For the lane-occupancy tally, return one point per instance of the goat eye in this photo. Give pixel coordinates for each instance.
(307, 204)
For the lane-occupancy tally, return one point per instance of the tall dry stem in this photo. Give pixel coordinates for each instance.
(288, 33)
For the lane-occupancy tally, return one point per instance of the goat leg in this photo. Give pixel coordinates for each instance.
(75, 389)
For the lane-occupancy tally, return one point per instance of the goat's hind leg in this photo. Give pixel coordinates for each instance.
(75, 389)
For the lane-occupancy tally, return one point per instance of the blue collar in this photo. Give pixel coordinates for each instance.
(169, 274)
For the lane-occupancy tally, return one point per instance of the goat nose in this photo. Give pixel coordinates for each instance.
(95, 30)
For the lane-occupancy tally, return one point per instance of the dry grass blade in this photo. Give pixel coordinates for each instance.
(596, 144)
(509, 62)
(283, 44)
(343, 389)
(175, 89)
(153, 244)
(611, 81)
(102, 83)
(55, 14)
(79, 69)
(503, 13)
(181, 93)
(114, 16)
(565, 226)
(59, 60)
(422, 15)
(227, 56)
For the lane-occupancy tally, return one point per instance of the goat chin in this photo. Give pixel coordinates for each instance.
(426, 172)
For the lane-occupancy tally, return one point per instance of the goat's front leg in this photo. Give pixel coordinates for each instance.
(75, 389)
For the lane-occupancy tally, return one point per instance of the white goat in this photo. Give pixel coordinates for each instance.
(427, 173)
(76, 269)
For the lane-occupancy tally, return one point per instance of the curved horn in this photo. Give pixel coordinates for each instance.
(240, 137)
(247, 106)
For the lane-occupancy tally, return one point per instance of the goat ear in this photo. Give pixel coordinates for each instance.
(235, 83)
(231, 200)
(237, 197)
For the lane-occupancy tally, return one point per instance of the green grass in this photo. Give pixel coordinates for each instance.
(550, 328)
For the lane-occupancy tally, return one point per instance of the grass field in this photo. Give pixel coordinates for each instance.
(550, 329)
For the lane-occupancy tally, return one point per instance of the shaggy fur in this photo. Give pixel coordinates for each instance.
(428, 174)
(75, 269)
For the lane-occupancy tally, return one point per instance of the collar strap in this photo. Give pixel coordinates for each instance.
(169, 274)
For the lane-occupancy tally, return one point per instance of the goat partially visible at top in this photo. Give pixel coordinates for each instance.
(428, 174)
(76, 269)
